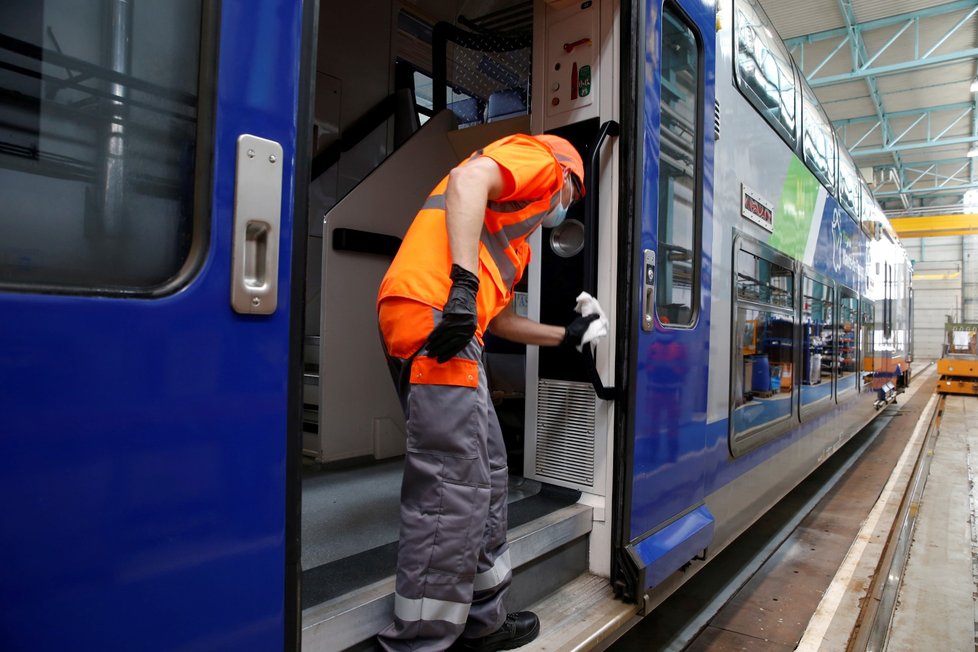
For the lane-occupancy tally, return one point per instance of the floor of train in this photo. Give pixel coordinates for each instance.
(350, 523)
(799, 579)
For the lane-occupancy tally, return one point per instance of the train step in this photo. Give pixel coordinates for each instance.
(584, 614)
(547, 554)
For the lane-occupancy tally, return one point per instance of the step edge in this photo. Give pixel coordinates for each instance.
(598, 624)
(362, 613)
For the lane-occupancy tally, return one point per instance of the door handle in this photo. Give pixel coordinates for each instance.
(591, 205)
(257, 224)
(648, 287)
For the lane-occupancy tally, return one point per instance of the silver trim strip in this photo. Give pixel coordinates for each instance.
(495, 575)
(412, 610)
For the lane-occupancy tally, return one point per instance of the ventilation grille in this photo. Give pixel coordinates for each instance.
(716, 120)
(565, 432)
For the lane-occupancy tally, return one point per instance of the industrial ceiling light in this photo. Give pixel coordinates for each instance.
(973, 152)
(974, 85)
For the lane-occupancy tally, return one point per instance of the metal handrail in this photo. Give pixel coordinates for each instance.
(591, 176)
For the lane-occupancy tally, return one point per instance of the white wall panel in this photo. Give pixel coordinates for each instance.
(945, 287)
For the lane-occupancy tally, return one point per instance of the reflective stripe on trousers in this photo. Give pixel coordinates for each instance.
(453, 566)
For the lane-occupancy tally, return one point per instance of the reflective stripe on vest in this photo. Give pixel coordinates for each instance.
(497, 243)
(434, 202)
(421, 268)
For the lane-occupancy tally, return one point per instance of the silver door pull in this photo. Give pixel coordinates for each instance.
(648, 287)
(257, 220)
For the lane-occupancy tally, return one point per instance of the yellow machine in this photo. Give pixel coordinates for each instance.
(958, 366)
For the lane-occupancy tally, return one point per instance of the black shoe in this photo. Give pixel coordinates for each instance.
(519, 629)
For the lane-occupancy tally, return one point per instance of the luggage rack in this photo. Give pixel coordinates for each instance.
(958, 366)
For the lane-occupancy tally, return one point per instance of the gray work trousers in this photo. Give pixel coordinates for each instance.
(453, 567)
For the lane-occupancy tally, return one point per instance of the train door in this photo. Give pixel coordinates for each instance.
(664, 522)
(147, 156)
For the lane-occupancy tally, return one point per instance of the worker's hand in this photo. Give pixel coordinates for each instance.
(574, 332)
(592, 323)
(458, 317)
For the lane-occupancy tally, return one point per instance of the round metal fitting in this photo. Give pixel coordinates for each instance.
(567, 240)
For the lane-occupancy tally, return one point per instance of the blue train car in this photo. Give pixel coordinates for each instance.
(200, 447)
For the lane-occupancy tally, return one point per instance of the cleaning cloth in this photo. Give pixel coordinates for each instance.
(588, 305)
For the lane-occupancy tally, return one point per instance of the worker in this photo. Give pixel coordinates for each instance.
(452, 279)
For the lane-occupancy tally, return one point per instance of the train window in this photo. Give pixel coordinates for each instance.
(849, 185)
(764, 70)
(677, 292)
(844, 350)
(888, 282)
(867, 326)
(422, 96)
(468, 110)
(763, 376)
(868, 204)
(818, 142)
(819, 347)
(99, 107)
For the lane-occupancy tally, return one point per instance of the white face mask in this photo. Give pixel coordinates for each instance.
(559, 212)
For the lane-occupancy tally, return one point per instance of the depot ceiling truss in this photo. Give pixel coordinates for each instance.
(938, 120)
(922, 56)
(942, 177)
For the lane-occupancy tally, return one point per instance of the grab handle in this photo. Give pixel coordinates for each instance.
(591, 177)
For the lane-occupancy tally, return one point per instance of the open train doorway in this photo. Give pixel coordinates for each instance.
(405, 91)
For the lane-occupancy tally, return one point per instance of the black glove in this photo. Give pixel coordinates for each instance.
(574, 332)
(458, 317)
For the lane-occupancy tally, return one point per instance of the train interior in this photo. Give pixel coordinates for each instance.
(404, 91)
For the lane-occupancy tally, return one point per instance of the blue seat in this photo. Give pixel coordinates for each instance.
(505, 104)
(467, 112)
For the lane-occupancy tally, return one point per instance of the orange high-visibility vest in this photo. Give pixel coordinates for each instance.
(533, 179)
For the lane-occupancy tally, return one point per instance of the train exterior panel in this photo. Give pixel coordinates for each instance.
(152, 441)
(143, 442)
(704, 445)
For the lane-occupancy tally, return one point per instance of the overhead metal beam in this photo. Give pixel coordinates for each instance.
(898, 19)
(930, 192)
(936, 129)
(906, 66)
(927, 226)
(860, 59)
(930, 110)
(863, 68)
(918, 172)
(920, 144)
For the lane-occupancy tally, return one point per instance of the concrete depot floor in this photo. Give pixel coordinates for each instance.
(807, 596)
(936, 604)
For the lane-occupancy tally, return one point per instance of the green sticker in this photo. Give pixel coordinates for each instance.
(799, 197)
(584, 81)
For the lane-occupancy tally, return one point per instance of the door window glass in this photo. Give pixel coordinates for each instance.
(677, 292)
(844, 349)
(763, 375)
(817, 341)
(98, 140)
(867, 328)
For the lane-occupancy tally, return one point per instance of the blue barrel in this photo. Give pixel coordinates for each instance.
(760, 377)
